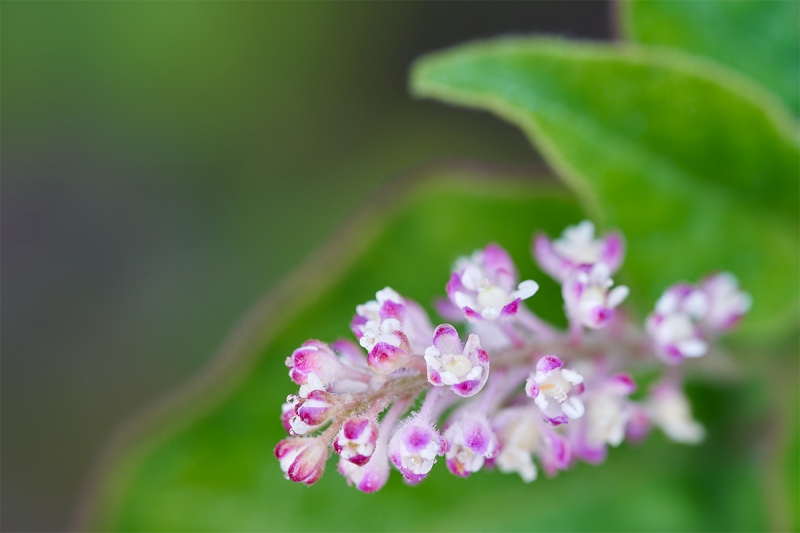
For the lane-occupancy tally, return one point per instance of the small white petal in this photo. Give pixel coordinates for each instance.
(526, 289)
(473, 343)
(448, 378)
(432, 360)
(387, 293)
(668, 303)
(617, 295)
(472, 277)
(349, 386)
(692, 347)
(541, 402)
(462, 300)
(490, 313)
(571, 376)
(599, 274)
(390, 325)
(313, 382)
(696, 304)
(298, 426)
(573, 408)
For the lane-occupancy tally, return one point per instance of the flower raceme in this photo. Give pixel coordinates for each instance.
(553, 397)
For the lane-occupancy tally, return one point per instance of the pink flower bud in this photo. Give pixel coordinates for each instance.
(287, 413)
(316, 407)
(726, 303)
(314, 357)
(356, 440)
(470, 441)
(302, 459)
(387, 313)
(555, 452)
(414, 447)
(373, 475)
(674, 326)
(392, 354)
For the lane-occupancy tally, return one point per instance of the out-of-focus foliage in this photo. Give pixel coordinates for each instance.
(759, 38)
(699, 172)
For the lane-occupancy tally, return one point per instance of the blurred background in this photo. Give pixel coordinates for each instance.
(164, 164)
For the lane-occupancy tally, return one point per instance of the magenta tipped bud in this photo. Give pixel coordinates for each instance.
(470, 441)
(316, 408)
(414, 448)
(314, 357)
(356, 440)
(287, 413)
(727, 304)
(302, 459)
(674, 325)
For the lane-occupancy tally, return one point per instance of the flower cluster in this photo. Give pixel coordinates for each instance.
(554, 396)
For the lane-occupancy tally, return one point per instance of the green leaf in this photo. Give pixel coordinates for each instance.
(761, 39)
(697, 167)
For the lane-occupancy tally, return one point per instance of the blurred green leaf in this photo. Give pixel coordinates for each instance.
(697, 167)
(760, 39)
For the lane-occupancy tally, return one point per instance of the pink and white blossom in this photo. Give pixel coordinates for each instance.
(669, 409)
(727, 304)
(464, 369)
(523, 436)
(605, 422)
(555, 390)
(375, 473)
(520, 434)
(485, 286)
(589, 299)
(674, 326)
(577, 248)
